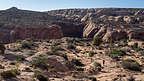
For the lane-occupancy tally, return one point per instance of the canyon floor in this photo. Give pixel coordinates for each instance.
(73, 59)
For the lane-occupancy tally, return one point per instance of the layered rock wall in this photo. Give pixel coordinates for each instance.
(11, 35)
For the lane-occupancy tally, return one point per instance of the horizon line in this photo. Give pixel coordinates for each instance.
(74, 8)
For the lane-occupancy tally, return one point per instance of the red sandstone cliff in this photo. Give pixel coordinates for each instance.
(36, 33)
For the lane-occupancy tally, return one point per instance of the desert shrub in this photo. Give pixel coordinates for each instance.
(55, 49)
(97, 41)
(10, 73)
(115, 53)
(115, 79)
(27, 44)
(71, 46)
(92, 78)
(79, 69)
(40, 62)
(40, 76)
(142, 59)
(20, 58)
(131, 65)
(88, 44)
(56, 43)
(2, 48)
(135, 45)
(91, 53)
(124, 40)
(31, 53)
(96, 64)
(50, 53)
(81, 44)
(64, 56)
(70, 40)
(131, 78)
(138, 49)
(77, 62)
(18, 41)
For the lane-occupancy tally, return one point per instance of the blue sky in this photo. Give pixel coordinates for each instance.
(44, 5)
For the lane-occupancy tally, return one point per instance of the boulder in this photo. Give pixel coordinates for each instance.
(129, 19)
(114, 35)
(136, 35)
(58, 63)
(119, 19)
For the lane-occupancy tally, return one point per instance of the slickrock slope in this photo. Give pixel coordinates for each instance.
(111, 23)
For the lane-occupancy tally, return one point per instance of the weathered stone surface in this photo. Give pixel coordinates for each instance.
(115, 35)
(129, 19)
(101, 32)
(90, 30)
(35, 33)
(18, 24)
(136, 35)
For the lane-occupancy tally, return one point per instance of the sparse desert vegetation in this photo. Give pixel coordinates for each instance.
(104, 44)
(48, 61)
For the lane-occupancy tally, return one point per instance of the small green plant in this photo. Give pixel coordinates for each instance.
(115, 53)
(92, 78)
(142, 59)
(97, 41)
(91, 53)
(135, 45)
(131, 65)
(20, 58)
(79, 69)
(2, 48)
(65, 56)
(50, 53)
(40, 62)
(69, 40)
(10, 73)
(96, 64)
(40, 76)
(138, 49)
(55, 49)
(27, 44)
(71, 46)
(31, 53)
(18, 41)
(131, 78)
(77, 62)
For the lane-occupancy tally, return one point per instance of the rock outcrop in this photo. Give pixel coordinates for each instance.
(114, 35)
(18, 24)
(36, 33)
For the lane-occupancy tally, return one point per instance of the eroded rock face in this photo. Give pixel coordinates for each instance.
(18, 24)
(101, 32)
(11, 35)
(70, 29)
(114, 35)
(90, 30)
(35, 33)
(136, 35)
